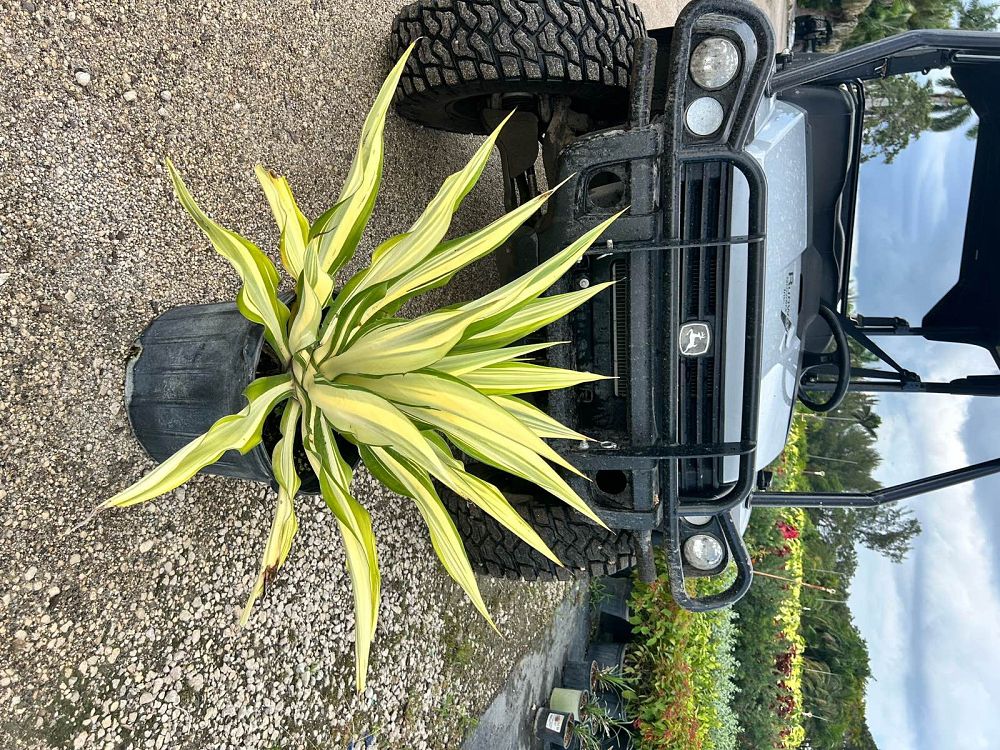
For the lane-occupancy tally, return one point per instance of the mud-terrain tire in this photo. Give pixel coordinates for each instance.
(583, 547)
(474, 48)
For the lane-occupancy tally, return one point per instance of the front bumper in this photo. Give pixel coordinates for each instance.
(675, 244)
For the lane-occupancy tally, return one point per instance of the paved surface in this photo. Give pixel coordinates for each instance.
(507, 723)
(124, 634)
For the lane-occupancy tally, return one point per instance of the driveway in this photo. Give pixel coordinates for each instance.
(124, 633)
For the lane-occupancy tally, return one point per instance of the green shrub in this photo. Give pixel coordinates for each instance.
(681, 669)
(769, 644)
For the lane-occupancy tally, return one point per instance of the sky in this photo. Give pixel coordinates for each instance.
(932, 623)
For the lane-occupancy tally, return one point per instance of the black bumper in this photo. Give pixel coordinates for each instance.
(675, 243)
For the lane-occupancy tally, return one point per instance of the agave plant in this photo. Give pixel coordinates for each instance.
(400, 390)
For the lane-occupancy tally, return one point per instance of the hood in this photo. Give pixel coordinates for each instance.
(779, 146)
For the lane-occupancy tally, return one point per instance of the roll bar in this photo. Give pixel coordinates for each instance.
(882, 496)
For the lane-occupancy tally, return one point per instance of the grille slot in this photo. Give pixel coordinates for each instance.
(619, 323)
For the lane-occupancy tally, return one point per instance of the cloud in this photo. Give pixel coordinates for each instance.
(910, 225)
(880, 600)
(931, 621)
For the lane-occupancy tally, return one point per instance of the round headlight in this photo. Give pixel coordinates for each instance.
(704, 116)
(698, 520)
(714, 63)
(704, 552)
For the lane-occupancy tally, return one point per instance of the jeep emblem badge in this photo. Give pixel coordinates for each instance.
(695, 339)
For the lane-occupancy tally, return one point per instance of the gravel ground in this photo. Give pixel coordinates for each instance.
(124, 634)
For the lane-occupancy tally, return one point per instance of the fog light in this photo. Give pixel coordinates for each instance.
(714, 63)
(704, 116)
(704, 552)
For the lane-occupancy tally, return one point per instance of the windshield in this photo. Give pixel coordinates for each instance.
(930, 620)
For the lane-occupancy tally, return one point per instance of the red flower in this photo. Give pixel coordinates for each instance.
(787, 530)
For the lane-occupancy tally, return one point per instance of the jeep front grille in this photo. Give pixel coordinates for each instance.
(704, 216)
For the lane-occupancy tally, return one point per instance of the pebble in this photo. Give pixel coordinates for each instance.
(146, 546)
(81, 740)
(31, 573)
(145, 698)
(82, 78)
(165, 96)
(70, 296)
(130, 96)
(3, 278)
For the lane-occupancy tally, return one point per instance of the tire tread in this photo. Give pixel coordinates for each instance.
(582, 43)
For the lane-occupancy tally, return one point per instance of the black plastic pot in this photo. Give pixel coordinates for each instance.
(607, 655)
(580, 675)
(613, 610)
(554, 727)
(190, 369)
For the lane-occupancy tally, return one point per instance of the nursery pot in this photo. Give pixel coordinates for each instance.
(568, 701)
(613, 610)
(607, 655)
(555, 727)
(580, 675)
(189, 369)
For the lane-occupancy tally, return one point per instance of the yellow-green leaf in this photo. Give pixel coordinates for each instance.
(490, 500)
(235, 432)
(290, 220)
(451, 256)
(511, 378)
(444, 536)
(540, 278)
(354, 524)
(339, 231)
(537, 420)
(425, 234)
(526, 318)
(401, 346)
(285, 524)
(313, 290)
(459, 364)
(439, 391)
(490, 447)
(371, 420)
(258, 298)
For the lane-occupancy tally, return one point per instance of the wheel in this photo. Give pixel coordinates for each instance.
(584, 548)
(472, 49)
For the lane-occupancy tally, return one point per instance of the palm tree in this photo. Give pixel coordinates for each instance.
(933, 14)
(867, 418)
(880, 20)
(950, 109)
(978, 15)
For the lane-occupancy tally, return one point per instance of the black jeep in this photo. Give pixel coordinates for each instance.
(740, 168)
